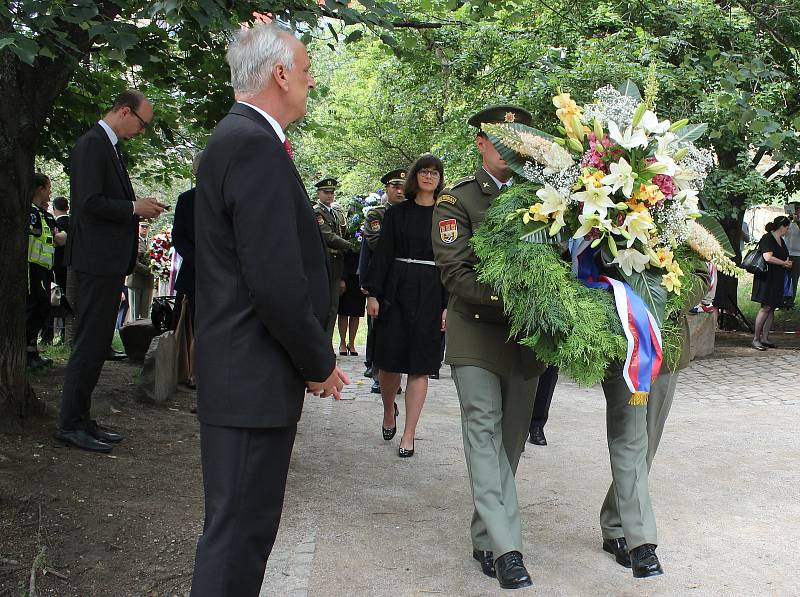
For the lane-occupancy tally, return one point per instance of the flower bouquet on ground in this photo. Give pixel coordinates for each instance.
(357, 212)
(160, 255)
(611, 205)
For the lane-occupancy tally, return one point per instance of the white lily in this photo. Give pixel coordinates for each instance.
(650, 123)
(595, 199)
(683, 178)
(621, 177)
(590, 221)
(630, 260)
(668, 165)
(553, 205)
(638, 225)
(630, 139)
(690, 201)
(665, 142)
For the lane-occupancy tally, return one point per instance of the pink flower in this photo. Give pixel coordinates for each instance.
(666, 184)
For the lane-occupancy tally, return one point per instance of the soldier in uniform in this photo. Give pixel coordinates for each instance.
(333, 224)
(393, 183)
(43, 236)
(495, 377)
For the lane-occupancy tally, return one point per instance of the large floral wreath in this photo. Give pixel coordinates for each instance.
(612, 204)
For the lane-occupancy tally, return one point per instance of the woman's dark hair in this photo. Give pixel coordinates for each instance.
(39, 181)
(426, 160)
(778, 222)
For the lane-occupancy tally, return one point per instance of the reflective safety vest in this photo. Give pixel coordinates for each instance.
(41, 249)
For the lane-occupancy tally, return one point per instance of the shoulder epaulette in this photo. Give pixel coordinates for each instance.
(462, 181)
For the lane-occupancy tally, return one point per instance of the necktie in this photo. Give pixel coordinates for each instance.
(119, 155)
(288, 147)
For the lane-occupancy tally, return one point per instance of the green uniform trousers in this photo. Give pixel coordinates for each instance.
(495, 413)
(633, 436)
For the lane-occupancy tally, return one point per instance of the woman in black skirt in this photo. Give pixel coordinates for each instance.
(407, 299)
(351, 306)
(768, 288)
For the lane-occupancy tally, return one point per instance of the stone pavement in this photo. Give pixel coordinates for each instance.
(726, 490)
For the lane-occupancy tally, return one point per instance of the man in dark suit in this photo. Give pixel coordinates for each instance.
(262, 282)
(100, 251)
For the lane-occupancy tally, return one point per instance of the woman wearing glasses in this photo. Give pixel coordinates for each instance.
(407, 299)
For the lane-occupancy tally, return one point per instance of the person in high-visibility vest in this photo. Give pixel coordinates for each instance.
(43, 236)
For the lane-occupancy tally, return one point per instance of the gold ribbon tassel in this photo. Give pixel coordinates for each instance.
(638, 399)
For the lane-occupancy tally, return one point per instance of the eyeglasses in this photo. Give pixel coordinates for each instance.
(142, 122)
(429, 173)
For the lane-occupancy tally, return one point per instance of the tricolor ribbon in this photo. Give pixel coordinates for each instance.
(644, 357)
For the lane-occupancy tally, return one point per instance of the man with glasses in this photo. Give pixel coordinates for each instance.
(393, 183)
(101, 249)
(333, 224)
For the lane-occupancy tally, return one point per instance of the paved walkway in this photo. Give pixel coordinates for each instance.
(726, 488)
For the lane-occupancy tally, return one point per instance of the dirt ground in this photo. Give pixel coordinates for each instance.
(119, 524)
(126, 523)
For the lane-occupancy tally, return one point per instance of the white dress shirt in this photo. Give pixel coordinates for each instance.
(500, 184)
(274, 123)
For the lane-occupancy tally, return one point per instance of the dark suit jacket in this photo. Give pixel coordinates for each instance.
(183, 241)
(103, 231)
(262, 280)
(59, 269)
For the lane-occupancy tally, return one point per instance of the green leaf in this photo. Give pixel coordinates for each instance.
(25, 49)
(647, 285)
(712, 224)
(354, 36)
(630, 89)
(691, 132)
(531, 230)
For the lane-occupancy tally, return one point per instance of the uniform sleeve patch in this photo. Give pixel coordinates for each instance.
(446, 199)
(448, 230)
(374, 225)
(320, 219)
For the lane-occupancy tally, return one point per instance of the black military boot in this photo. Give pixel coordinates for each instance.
(644, 561)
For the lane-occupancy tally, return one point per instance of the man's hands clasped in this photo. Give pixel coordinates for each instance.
(331, 386)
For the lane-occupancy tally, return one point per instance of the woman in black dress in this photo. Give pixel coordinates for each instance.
(768, 288)
(407, 299)
(351, 306)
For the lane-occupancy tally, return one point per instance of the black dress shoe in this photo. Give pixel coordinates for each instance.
(368, 372)
(376, 386)
(486, 560)
(644, 561)
(758, 345)
(389, 433)
(103, 434)
(404, 453)
(768, 344)
(82, 439)
(537, 437)
(619, 549)
(511, 572)
(116, 355)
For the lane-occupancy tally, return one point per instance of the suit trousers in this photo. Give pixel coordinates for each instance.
(544, 396)
(95, 316)
(495, 412)
(244, 478)
(634, 433)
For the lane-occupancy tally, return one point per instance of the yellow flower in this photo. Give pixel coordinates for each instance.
(649, 193)
(595, 177)
(635, 205)
(568, 112)
(533, 214)
(671, 282)
(664, 258)
(674, 268)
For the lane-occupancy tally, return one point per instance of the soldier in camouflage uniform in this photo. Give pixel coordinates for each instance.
(333, 224)
(393, 183)
(495, 376)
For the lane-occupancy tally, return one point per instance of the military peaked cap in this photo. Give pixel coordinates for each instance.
(327, 184)
(500, 114)
(398, 175)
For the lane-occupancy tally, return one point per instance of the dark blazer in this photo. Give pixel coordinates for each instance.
(183, 241)
(262, 280)
(103, 236)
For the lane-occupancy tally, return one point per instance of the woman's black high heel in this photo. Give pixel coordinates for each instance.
(389, 433)
(403, 453)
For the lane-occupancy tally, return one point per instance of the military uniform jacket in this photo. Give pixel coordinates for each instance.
(333, 225)
(477, 329)
(373, 222)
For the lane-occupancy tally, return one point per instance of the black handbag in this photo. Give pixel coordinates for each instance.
(754, 262)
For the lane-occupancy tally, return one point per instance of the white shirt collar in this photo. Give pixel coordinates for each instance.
(500, 184)
(109, 131)
(270, 119)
